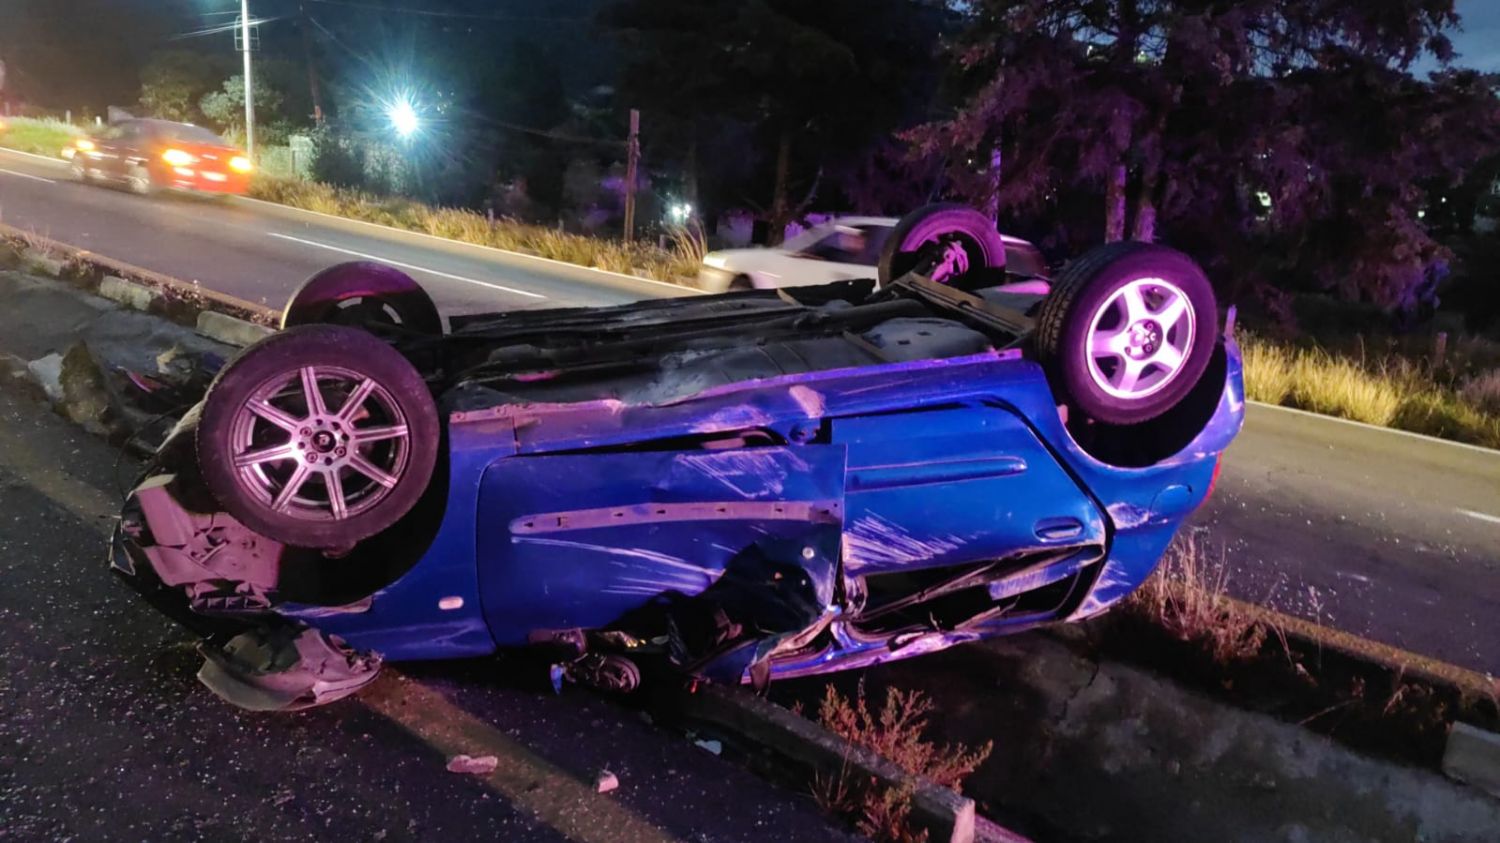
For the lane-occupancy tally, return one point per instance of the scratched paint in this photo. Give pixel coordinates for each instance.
(874, 540)
(751, 474)
(810, 400)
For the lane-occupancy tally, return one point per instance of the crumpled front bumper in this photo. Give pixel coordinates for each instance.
(253, 658)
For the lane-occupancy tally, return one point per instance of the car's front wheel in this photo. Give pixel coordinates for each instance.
(319, 436)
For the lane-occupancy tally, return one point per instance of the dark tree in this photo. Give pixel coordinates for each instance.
(1281, 140)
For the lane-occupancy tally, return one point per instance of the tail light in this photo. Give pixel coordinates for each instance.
(1214, 480)
(178, 158)
(240, 164)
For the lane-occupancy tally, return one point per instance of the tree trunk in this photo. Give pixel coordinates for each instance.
(781, 210)
(992, 202)
(1144, 225)
(1114, 204)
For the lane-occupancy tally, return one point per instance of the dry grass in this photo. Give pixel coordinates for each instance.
(1483, 392)
(897, 733)
(678, 265)
(1393, 392)
(1188, 597)
(37, 136)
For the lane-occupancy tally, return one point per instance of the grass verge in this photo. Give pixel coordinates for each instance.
(1391, 392)
(1183, 623)
(678, 264)
(37, 136)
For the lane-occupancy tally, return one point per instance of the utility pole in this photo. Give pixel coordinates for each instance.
(249, 82)
(632, 166)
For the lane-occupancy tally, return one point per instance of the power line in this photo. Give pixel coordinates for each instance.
(436, 13)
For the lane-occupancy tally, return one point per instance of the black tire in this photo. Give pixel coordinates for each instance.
(983, 248)
(1066, 329)
(339, 357)
(359, 293)
(141, 181)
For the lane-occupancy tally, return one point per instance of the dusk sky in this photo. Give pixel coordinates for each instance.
(1478, 45)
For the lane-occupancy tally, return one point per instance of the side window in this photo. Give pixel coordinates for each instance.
(844, 244)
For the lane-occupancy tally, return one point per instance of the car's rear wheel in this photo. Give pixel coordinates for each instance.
(956, 240)
(361, 293)
(319, 436)
(1127, 331)
(140, 180)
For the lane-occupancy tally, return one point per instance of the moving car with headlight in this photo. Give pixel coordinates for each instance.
(147, 156)
(730, 487)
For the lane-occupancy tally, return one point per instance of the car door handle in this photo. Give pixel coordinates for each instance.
(1058, 529)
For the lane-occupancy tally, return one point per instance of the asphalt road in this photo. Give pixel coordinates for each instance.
(105, 734)
(1385, 535)
(262, 252)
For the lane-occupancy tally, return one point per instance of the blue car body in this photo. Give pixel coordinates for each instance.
(738, 524)
(933, 464)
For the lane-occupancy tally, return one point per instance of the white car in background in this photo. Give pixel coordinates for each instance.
(844, 249)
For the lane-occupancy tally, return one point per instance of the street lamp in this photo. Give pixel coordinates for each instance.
(249, 84)
(403, 117)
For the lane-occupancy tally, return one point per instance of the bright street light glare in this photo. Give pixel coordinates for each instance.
(404, 118)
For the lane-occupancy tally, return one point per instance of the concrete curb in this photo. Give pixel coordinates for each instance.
(176, 300)
(229, 330)
(1473, 757)
(1411, 665)
(947, 816)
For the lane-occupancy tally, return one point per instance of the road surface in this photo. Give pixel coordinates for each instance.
(1389, 536)
(262, 252)
(105, 734)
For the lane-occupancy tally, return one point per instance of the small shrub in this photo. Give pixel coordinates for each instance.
(1188, 597)
(897, 733)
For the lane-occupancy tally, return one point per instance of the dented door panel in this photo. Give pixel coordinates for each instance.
(582, 540)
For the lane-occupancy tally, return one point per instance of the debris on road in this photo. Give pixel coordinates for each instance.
(712, 746)
(470, 765)
(605, 782)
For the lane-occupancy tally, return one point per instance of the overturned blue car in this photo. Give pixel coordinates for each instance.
(734, 487)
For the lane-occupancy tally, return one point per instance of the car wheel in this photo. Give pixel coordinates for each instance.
(1127, 331)
(360, 293)
(140, 181)
(961, 239)
(78, 171)
(319, 436)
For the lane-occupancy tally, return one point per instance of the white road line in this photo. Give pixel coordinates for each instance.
(1391, 430)
(51, 159)
(522, 255)
(413, 267)
(1493, 519)
(26, 176)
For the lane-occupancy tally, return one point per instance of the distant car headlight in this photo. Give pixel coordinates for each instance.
(716, 261)
(178, 158)
(84, 145)
(240, 164)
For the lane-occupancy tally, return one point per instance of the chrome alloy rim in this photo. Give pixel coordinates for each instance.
(320, 443)
(1139, 338)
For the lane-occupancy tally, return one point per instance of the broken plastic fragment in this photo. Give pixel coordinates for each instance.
(285, 669)
(470, 765)
(712, 746)
(606, 781)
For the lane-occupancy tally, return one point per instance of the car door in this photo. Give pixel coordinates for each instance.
(584, 540)
(104, 159)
